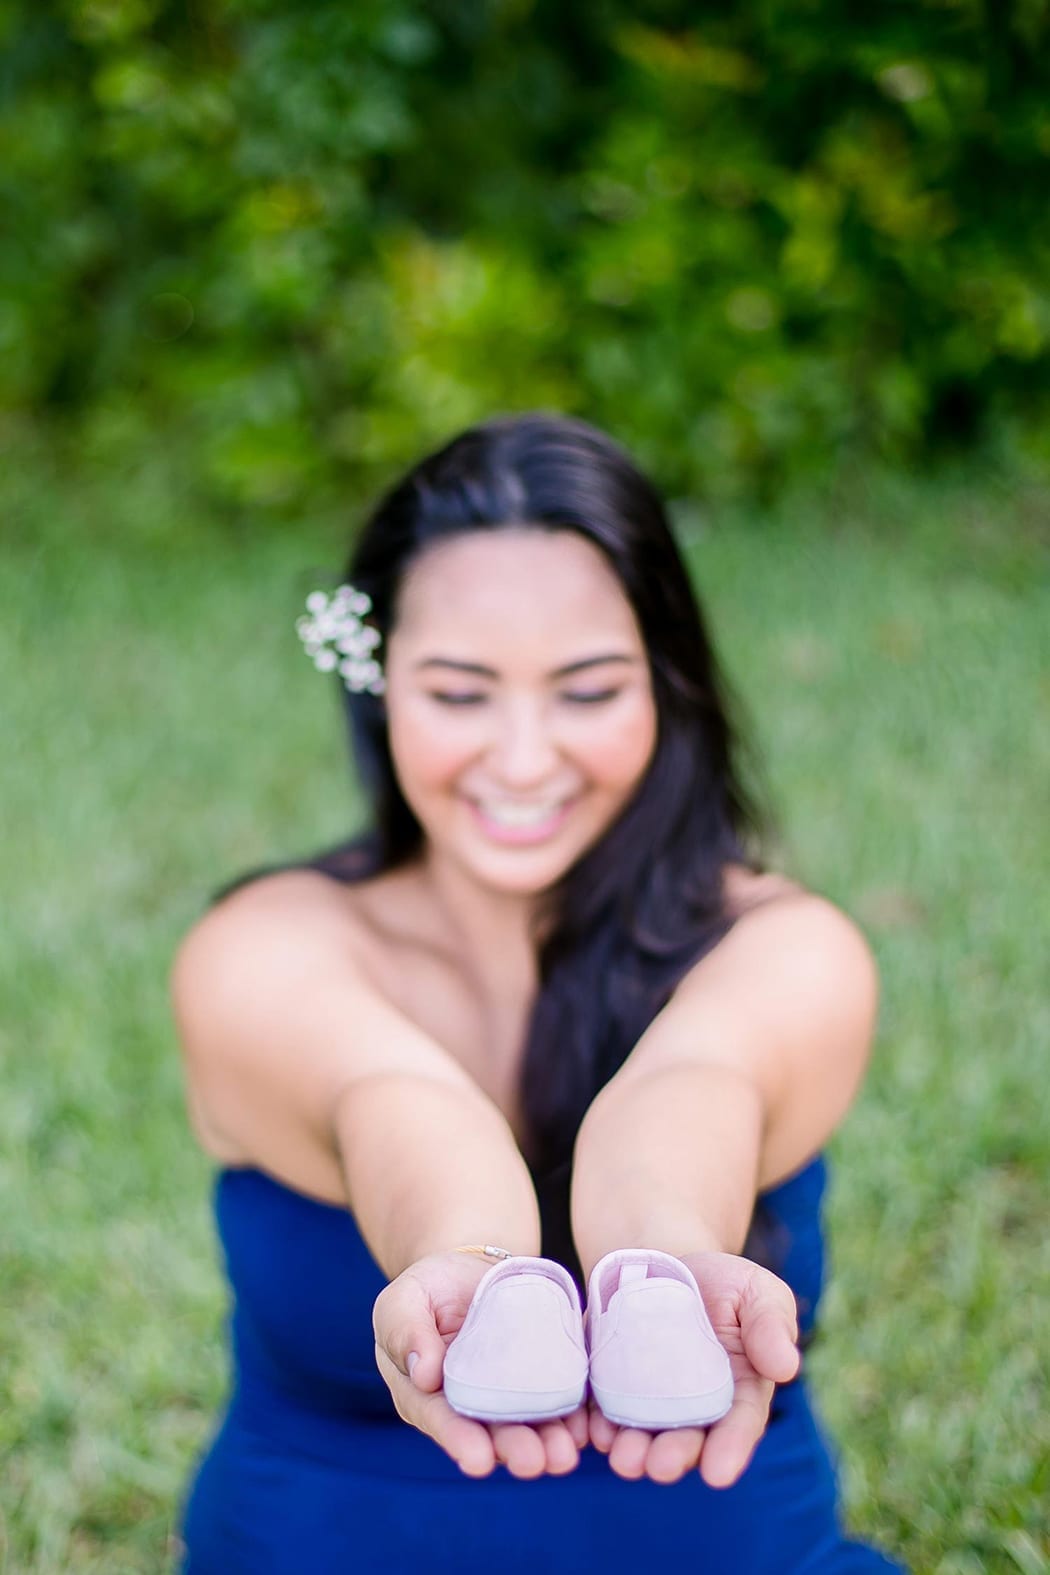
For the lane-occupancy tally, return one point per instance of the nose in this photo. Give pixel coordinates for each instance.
(524, 754)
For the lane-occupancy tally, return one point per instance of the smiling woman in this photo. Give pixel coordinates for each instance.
(520, 710)
(551, 1001)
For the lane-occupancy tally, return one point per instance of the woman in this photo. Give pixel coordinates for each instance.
(552, 1002)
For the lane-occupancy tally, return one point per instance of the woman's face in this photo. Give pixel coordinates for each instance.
(519, 703)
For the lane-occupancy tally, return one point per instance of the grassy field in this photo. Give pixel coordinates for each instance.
(163, 731)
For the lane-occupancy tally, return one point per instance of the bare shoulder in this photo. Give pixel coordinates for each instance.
(279, 1013)
(271, 931)
(788, 999)
(782, 931)
(265, 931)
(776, 914)
(292, 893)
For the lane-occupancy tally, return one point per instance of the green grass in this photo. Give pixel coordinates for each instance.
(163, 731)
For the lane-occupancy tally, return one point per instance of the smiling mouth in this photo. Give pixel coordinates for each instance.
(509, 814)
(521, 822)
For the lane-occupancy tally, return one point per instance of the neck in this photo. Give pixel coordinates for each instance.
(492, 931)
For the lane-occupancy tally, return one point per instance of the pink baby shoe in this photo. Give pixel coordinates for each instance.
(520, 1355)
(655, 1360)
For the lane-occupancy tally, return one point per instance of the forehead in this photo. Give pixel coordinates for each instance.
(551, 588)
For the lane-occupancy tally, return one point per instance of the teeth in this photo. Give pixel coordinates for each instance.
(519, 814)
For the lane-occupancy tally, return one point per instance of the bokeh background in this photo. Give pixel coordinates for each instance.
(256, 256)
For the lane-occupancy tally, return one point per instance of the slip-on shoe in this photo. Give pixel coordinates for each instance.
(655, 1361)
(520, 1355)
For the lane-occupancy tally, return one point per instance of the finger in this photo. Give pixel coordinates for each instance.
(560, 1446)
(673, 1453)
(602, 1431)
(628, 1454)
(731, 1442)
(423, 1365)
(520, 1448)
(578, 1424)
(404, 1326)
(467, 1442)
(769, 1329)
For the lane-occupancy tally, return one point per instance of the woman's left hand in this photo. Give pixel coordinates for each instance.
(753, 1314)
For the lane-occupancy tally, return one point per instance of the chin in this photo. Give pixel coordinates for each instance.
(524, 871)
(529, 879)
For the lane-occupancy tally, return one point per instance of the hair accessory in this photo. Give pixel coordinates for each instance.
(335, 637)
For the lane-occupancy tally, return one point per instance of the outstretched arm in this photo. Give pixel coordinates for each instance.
(736, 1083)
(295, 1063)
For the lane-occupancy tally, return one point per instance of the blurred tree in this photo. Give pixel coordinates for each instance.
(299, 242)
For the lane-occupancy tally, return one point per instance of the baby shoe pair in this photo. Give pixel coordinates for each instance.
(525, 1351)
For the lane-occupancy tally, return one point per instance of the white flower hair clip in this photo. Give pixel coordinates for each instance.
(335, 637)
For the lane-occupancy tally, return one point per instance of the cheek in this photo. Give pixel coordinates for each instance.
(426, 751)
(619, 753)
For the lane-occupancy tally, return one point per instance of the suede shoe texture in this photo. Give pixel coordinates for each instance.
(655, 1361)
(520, 1355)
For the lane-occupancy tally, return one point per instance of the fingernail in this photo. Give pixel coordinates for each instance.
(413, 1358)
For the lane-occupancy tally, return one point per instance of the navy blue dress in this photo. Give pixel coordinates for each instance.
(311, 1471)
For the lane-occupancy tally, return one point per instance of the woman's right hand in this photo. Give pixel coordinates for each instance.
(417, 1316)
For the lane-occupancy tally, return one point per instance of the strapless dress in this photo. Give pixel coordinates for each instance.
(311, 1472)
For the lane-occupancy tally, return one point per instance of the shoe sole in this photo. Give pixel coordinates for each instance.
(656, 1413)
(512, 1405)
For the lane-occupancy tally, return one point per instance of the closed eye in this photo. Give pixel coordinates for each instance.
(472, 697)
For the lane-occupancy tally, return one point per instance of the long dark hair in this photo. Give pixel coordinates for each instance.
(644, 903)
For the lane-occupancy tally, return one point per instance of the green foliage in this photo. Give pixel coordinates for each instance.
(299, 242)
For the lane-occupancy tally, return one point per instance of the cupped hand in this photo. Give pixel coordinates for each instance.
(415, 1319)
(753, 1314)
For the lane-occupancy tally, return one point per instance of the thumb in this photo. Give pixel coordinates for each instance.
(406, 1330)
(769, 1329)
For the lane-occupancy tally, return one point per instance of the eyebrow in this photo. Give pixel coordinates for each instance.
(479, 670)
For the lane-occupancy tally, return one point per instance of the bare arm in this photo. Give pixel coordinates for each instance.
(296, 1063)
(737, 1082)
